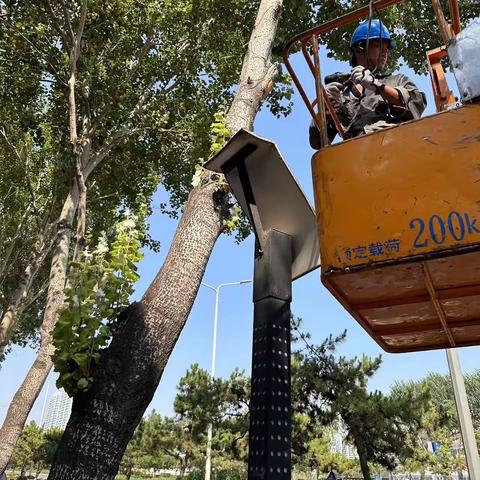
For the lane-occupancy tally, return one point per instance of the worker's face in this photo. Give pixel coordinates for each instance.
(377, 55)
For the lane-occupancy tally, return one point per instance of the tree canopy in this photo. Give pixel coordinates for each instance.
(35, 448)
(179, 442)
(439, 424)
(331, 387)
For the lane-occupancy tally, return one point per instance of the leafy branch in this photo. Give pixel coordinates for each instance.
(100, 287)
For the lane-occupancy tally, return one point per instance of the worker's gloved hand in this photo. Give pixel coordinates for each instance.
(334, 92)
(363, 76)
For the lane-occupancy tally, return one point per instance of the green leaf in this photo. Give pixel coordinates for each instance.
(82, 384)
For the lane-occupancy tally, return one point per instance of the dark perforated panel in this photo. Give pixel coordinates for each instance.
(270, 415)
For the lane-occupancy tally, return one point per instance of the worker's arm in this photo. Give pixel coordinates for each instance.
(391, 94)
(334, 92)
(403, 93)
(314, 134)
(414, 100)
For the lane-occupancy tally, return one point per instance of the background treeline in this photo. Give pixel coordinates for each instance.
(330, 395)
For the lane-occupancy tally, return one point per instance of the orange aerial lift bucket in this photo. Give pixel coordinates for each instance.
(398, 214)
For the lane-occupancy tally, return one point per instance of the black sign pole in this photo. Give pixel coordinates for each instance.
(270, 403)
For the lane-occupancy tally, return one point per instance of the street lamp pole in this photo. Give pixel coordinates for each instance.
(464, 416)
(286, 247)
(208, 461)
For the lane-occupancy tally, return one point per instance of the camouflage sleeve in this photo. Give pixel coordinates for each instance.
(414, 100)
(314, 134)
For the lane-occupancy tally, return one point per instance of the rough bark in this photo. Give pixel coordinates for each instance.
(103, 419)
(258, 71)
(81, 216)
(364, 467)
(32, 384)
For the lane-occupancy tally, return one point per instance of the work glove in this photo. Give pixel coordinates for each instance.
(334, 92)
(363, 76)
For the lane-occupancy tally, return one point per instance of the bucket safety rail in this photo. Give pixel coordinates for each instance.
(309, 41)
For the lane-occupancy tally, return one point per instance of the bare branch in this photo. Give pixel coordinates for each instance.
(122, 131)
(235, 440)
(87, 132)
(7, 196)
(72, 108)
(25, 169)
(68, 22)
(74, 56)
(172, 453)
(81, 159)
(143, 52)
(57, 25)
(81, 27)
(81, 215)
(102, 197)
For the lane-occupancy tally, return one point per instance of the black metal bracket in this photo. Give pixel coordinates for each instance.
(238, 162)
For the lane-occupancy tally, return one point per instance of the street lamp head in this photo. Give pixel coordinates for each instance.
(269, 196)
(245, 281)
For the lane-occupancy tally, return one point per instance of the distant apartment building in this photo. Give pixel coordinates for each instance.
(58, 411)
(349, 451)
(338, 443)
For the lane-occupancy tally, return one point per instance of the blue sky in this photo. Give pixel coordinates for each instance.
(230, 262)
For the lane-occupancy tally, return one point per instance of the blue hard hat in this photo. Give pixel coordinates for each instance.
(377, 30)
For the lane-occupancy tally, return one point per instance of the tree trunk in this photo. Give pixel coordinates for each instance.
(364, 466)
(362, 456)
(103, 419)
(183, 467)
(32, 384)
(36, 260)
(6, 258)
(129, 472)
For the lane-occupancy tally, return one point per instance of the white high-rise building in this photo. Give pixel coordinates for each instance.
(339, 444)
(349, 451)
(58, 411)
(336, 442)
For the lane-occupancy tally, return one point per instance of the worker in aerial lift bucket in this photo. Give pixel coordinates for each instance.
(367, 99)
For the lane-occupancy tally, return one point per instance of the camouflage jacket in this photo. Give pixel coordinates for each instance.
(358, 111)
